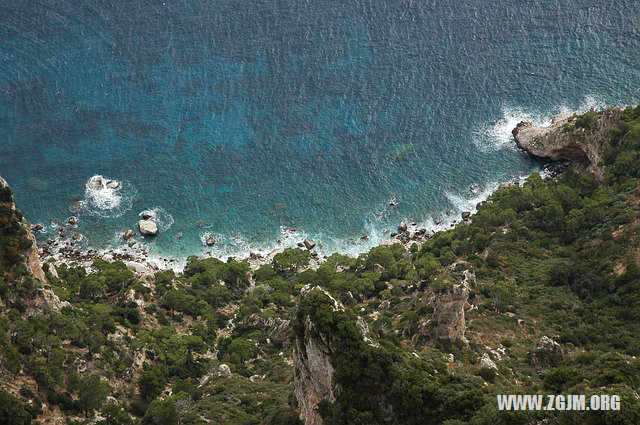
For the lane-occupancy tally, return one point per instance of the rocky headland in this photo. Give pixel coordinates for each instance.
(577, 140)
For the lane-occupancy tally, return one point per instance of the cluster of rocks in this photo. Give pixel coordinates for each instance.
(410, 233)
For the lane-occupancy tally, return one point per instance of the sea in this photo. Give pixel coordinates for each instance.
(245, 119)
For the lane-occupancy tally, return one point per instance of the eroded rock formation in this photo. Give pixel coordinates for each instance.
(312, 365)
(567, 139)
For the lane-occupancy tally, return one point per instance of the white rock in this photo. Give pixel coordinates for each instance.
(148, 227)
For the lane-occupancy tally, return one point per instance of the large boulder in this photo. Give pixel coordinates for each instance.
(147, 224)
(547, 353)
(148, 227)
(224, 371)
(563, 140)
(309, 244)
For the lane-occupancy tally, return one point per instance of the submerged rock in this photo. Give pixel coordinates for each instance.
(210, 241)
(73, 220)
(309, 244)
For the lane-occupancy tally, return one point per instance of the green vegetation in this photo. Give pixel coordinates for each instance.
(556, 258)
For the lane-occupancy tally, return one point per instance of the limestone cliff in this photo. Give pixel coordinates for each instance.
(312, 366)
(448, 313)
(578, 141)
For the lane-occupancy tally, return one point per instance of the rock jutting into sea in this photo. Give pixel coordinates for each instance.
(578, 140)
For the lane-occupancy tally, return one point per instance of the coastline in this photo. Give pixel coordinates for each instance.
(139, 256)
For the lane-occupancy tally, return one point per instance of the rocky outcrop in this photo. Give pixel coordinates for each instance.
(128, 234)
(447, 321)
(309, 244)
(564, 140)
(547, 353)
(148, 225)
(313, 382)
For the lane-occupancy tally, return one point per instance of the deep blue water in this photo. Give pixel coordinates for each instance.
(250, 115)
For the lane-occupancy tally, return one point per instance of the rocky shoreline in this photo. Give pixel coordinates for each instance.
(554, 142)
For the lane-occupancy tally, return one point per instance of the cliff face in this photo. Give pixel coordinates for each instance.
(45, 301)
(312, 366)
(31, 254)
(448, 311)
(568, 139)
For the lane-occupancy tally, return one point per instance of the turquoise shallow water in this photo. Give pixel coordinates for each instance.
(253, 115)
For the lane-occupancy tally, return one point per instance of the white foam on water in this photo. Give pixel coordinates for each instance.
(497, 135)
(107, 198)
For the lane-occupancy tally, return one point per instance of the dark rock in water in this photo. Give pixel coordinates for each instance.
(438, 222)
(73, 220)
(421, 232)
(364, 238)
(393, 234)
(131, 244)
(402, 227)
(147, 215)
(56, 222)
(199, 223)
(178, 236)
(309, 244)
(62, 233)
(300, 245)
(466, 215)
(392, 204)
(128, 234)
(210, 241)
(37, 227)
(77, 237)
